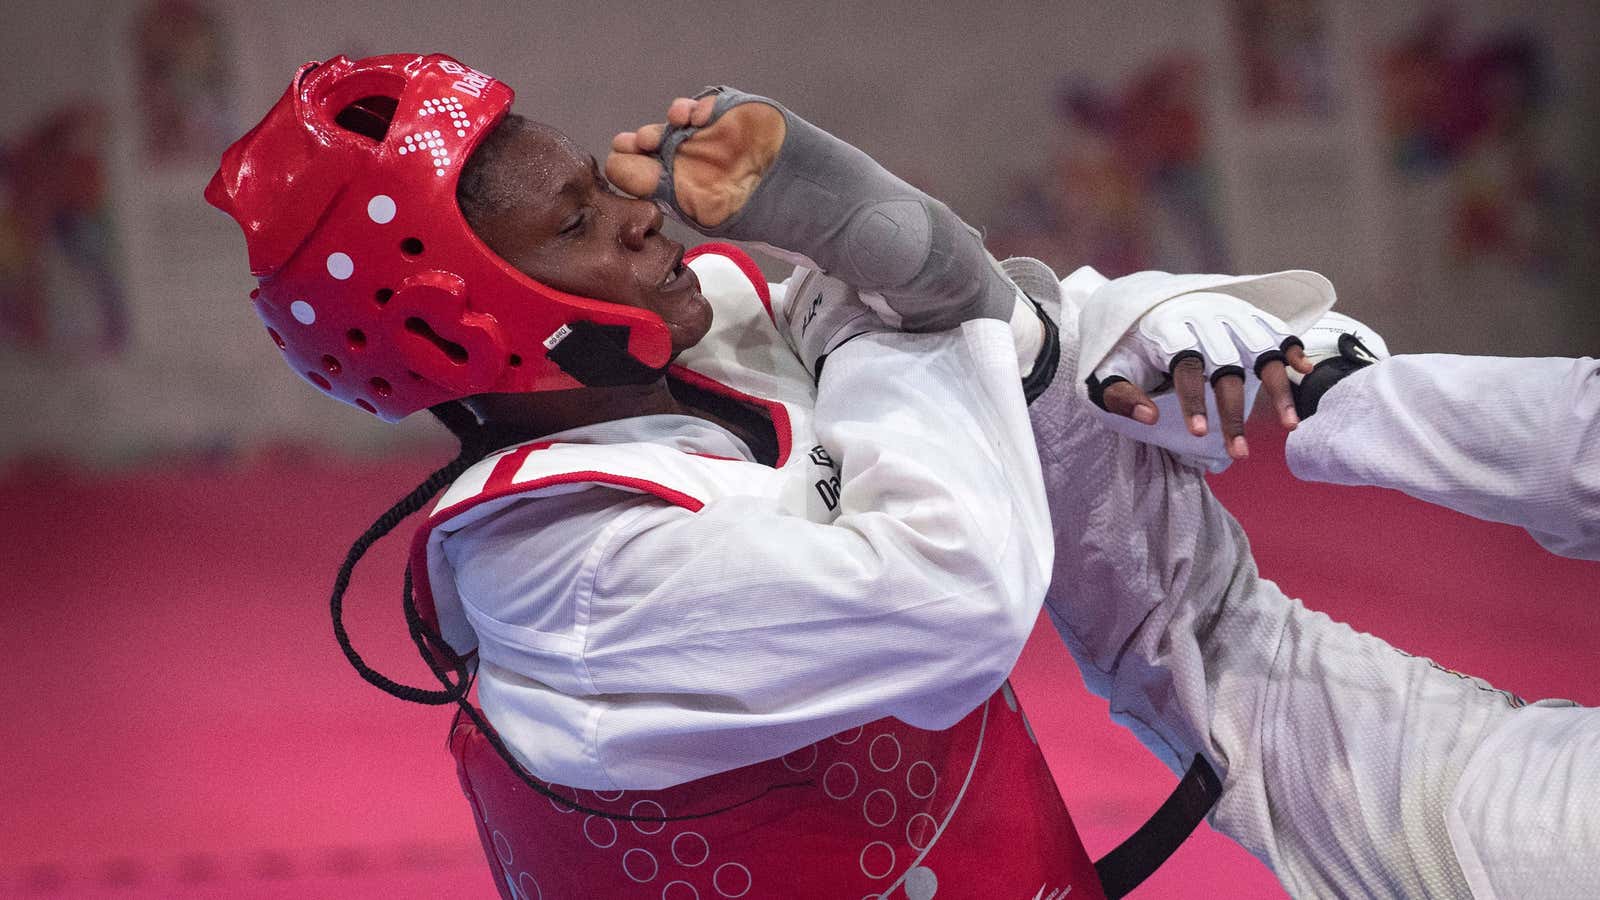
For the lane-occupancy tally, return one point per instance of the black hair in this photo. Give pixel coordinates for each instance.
(488, 186)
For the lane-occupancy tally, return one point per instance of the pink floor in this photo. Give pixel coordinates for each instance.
(180, 723)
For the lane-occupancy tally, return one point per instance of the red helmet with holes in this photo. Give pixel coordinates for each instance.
(371, 282)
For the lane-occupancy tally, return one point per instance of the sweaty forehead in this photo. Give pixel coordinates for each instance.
(524, 174)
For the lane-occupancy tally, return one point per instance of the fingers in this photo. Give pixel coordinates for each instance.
(646, 140)
(1126, 399)
(1275, 384)
(1189, 382)
(1295, 356)
(687, 111)
(1229, 388)
(679, 111)
(701, 114)
(630, 172)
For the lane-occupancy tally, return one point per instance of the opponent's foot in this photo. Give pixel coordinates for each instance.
(715, 171)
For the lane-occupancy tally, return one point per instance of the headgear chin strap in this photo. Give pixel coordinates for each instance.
(371, 282)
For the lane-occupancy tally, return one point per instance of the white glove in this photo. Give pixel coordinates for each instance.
(820, 314)
(1322, 341)
(1336, 346)
(1227, 335)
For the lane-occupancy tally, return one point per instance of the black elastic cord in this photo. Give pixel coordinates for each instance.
(1126, 867)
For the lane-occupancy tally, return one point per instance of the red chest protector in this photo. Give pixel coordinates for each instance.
(884, 810)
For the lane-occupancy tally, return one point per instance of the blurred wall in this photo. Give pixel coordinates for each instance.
(963, 99)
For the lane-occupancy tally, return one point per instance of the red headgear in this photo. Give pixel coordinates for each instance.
(372, 284)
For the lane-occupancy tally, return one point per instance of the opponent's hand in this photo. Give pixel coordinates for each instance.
(715, 170)
(1194, 339)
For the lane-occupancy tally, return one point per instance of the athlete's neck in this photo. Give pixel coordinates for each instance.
(549, 412)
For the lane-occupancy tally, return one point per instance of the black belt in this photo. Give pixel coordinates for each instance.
(1124, 868)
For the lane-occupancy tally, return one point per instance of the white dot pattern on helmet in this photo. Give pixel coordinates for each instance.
(340, 265)
(303, 312)
(381, 209)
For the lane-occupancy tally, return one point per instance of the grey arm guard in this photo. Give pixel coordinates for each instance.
(828, 201)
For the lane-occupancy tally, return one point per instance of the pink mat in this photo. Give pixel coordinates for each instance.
(181, 723)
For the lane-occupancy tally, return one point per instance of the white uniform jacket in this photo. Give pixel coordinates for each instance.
(650, 604)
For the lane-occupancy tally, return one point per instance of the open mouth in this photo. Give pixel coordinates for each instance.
(677, 275)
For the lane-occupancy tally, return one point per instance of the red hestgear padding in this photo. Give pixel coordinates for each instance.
(371, 283)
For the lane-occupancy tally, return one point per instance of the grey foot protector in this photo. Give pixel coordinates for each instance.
(828, 201)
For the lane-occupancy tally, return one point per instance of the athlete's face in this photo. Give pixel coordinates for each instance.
(573, 232)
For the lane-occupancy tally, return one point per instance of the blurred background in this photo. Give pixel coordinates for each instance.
(174, 500)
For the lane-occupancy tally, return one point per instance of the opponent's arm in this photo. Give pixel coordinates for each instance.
(1506, 440)
(1333, 747)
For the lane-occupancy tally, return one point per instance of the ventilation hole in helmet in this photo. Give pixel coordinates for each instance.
(331, 365)
(319, 381)
(255, 293)
(356, 338)
(515, 360)
(420, 328)
(277, 339)
(366, 406)
(381, 387)
(368, 117)
(383, 295)
(411, 246)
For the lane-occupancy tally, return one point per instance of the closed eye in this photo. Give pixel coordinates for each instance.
(575, 223)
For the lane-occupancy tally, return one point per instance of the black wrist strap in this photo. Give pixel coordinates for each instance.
(1353, 356)
(1126, 867)
(1044, 365)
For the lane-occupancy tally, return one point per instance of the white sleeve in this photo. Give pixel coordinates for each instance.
(765, 632)
(1507, 440)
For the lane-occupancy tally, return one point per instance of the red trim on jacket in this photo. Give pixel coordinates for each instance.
(746, 265)
(776, 410)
